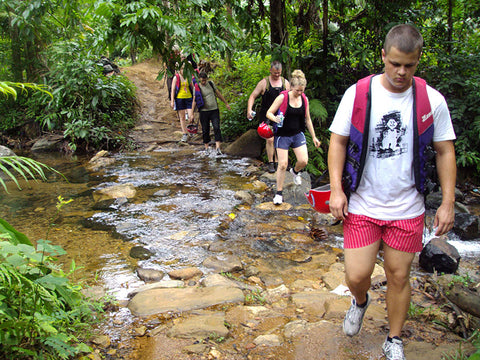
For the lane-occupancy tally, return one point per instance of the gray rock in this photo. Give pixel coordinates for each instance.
(149, 275)
(466, 226)
(440, 256)
(228, 263)
(5, 151)
(48, 143)
(139, 252)
(248, 145)
(157, 301)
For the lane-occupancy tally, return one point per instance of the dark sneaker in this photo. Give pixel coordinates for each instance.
(271, 167)
(393, 350)
(354, 318)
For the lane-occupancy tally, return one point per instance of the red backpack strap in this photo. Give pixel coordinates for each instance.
(424, 114)
(361, 103)
(284, 105)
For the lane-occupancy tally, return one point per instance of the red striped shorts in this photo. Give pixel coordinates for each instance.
(404, 235)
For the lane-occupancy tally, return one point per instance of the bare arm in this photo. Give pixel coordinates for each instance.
(337, 152)
(309, 125)
(172, 93)
(447, 174)
(259, 90)
(287, 85)
(274, 108)
(220, 96)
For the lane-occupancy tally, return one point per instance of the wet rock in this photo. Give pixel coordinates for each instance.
(164, 192)
(157, 301)
(466, 226)
(101, 340)
(272, 207)
(268, 340)
(227, 263)
(219, 280)
(139, 252)
(251, 271)
(196, 348)
(244, 197)
(439, 256)
(48, 143)
(205, 325)
(185, 273)
(275, 294)
(248, 145)
(163, 284)
(114, 192)
(149, 275)
(434, 200)
(99, 161)
(5, 151)
(140, 331)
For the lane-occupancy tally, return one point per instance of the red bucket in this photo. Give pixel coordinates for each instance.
(319, 198)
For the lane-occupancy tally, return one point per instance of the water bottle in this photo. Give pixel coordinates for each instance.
(281, 118)
(252, 114)
(186, 116)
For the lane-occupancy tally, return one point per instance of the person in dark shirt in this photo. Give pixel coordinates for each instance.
(269, 88)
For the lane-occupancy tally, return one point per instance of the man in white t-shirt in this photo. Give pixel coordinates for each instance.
(386, 208)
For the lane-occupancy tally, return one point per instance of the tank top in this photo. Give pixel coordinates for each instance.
(269, 97)
(294, 122)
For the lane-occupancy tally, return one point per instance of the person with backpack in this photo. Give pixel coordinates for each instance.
(269, 88)
(378, 163)
(210, 112)
(183, 100)
(293, 116)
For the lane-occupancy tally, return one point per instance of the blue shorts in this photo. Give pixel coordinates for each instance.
(183, 104)
(286, 142)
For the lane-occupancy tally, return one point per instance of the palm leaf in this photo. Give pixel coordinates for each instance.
(24, 167)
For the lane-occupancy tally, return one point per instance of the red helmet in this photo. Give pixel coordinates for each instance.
(319, 198)
(192, 128)
(265, 131)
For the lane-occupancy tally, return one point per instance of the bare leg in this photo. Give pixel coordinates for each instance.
(183, 125)
(397, 270)
(359, 265)
(302, 158)
(269, 146)
(282, 167)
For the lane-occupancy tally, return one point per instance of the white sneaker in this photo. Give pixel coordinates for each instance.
(297, 178)
(184, 138)
(393, 350)
(278, 199)
(354, 318)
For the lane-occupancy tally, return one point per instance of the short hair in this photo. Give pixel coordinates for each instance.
(404, 37)
(276, 65)
(202, 75)
(298, 78)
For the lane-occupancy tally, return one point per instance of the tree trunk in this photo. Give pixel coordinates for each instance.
(17, 64)
(277, 22)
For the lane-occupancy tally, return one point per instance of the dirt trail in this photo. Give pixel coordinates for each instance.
(158, 124)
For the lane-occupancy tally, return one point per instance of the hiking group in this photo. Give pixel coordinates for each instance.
(387, 131)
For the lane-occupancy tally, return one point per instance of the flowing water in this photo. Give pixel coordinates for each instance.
(184, 205)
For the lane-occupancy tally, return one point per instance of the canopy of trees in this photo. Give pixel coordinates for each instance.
(58, 42)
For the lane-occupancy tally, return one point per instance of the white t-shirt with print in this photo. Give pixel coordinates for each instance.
(387, 188)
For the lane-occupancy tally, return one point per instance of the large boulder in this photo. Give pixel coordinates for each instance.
(466, 226)
(248, 145)
(439, 256)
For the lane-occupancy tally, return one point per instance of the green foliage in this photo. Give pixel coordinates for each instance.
(42, 314)
(236, 83)
(24, 167)
(255, 297)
